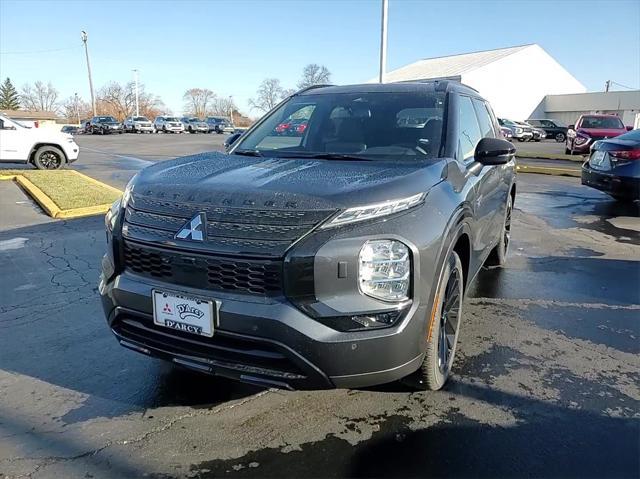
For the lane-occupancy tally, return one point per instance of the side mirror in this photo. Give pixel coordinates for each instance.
(231, 139)
(629, 128)
(9, 127)
(571, 127)
(494, 151)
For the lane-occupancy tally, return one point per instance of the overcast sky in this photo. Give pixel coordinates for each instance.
(230, 46)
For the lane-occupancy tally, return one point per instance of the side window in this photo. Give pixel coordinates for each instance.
(1, 124)
(484, 120)
(468, 129)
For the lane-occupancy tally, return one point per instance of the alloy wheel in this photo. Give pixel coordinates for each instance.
(449, 322)
(50, 160)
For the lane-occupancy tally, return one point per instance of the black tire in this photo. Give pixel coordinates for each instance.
(560, 137)
(164, 129)
(498, 256)
(191, 130)
(442, 329)
(521, 140)
(621, 199)
(49, 158)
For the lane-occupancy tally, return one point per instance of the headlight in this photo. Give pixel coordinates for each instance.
(581, 140)
(519, 130)
(362, 213)
(384, 270)
(112, 215)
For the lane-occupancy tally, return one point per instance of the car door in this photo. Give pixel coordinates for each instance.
(479, 176)
(14, 141)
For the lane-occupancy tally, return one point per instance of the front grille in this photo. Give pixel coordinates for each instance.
(257, 277)
(259, 232)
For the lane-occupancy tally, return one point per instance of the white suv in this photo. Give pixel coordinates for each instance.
(138, 124)
(45, 148)
(168, 124)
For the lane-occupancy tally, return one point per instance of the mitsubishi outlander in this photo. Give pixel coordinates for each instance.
(333, 256)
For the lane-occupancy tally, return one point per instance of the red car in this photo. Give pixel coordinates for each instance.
(590, 128)
(283, 127)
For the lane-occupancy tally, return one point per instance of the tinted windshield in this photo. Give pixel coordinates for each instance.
(106, 119)
(380, 125)
(140, 118)
(171, 118)
(605, 122)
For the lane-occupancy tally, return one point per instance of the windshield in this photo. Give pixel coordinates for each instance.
(106, 119)
(140, 118)
(171, 118)
(379, 125)
(604, 122)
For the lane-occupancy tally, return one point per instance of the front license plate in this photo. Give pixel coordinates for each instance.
(184, 313)
(600, 161)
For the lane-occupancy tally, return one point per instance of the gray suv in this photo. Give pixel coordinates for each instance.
(334, 258)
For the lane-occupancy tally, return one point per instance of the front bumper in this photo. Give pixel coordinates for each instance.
(615, 185)
(523, 136)
(263, 341)
(143, 128)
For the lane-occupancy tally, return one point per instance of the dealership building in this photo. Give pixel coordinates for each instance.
(522, 82)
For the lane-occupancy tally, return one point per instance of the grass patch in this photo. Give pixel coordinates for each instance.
(67, 189)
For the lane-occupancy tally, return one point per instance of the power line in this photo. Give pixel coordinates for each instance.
(29, 52)
(623, 86)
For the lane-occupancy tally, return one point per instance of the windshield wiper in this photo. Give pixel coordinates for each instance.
(325, 156)
(248, 153)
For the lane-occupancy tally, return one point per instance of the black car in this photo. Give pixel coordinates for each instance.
(103, 125)
(219, 125)
(614, 166)
(70, 129)
(335, 258)
(553, 128)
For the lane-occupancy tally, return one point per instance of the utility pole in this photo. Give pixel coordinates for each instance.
(77, 107)
(135, 77)
(383, 41)
(607, 85)
(231, 109)
(86, 52)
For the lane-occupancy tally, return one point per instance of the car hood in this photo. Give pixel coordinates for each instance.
(259, 182)
(602, 132)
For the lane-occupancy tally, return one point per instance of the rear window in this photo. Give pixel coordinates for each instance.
(604, 122)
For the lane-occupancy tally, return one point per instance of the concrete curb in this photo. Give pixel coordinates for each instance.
(53, 209)
(548, 170)
(542, 156)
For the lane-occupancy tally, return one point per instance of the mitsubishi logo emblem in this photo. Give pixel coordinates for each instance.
(194, 229)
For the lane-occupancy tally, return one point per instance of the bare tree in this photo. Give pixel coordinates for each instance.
(269, 93)
(314, 74)
(120, 101)
(220, 106)
(197, 101)
(75, 106)
(39, 97)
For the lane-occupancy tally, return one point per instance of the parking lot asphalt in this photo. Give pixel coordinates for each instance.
(546, 383)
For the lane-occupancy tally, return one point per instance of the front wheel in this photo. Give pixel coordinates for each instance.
(498, 256)
(442, 330)
(48, 158)
(521, 140)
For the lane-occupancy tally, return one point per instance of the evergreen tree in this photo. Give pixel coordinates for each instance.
(9, 97)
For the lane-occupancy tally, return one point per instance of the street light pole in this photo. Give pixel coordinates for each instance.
(135, 76)
(84, 37)
(383, 41)
(77, 107)
(231, 109)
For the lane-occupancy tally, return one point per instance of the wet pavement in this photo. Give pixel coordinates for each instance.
(545, 384)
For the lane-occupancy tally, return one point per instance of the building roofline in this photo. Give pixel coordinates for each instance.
(474, 52)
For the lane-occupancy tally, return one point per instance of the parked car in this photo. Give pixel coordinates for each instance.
(506, 133)
(519, 132)
(168, 124)
(45, 148)
(138, 124)
(553, 128)
(70, 129)
(614, 166)
(335, 259)
(590, 128)
(219, 125)
(103, 125)
(194, 125)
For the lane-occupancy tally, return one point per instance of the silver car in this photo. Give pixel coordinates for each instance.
(168, 124)
(195, 125)
(138, 124)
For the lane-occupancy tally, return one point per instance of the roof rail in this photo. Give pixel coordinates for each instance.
(312, 87)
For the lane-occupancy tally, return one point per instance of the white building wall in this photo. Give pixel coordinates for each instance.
(516, 84)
